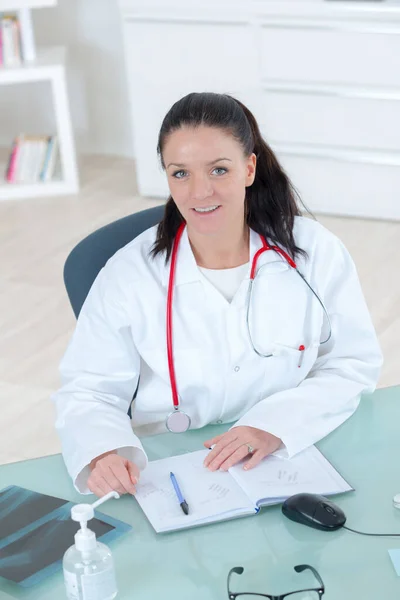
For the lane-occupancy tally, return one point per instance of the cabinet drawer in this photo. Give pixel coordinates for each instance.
(331, 54)
(331, 119)
(345, 188)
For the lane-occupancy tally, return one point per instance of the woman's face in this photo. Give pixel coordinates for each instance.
(207, 176)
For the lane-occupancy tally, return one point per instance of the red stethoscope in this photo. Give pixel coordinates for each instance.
(178, 421)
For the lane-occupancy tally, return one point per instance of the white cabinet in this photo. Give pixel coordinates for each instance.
(330, 119)
(331, 53)
(323, 79)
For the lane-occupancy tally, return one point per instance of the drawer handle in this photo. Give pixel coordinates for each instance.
(329, 26)
(337, 91)
(391, 159)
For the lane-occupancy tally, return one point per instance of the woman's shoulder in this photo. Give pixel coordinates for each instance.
(134, 260)
(323, 247)
(309, 235)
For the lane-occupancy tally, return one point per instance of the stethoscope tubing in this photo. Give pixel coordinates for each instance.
(171, 285)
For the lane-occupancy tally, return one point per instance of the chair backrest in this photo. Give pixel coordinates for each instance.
(91, 254)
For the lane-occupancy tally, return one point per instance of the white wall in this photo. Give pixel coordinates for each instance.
(91, 30)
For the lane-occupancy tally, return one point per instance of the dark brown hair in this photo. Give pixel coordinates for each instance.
(270, 202)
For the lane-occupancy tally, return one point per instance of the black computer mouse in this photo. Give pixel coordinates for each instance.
(315, 511)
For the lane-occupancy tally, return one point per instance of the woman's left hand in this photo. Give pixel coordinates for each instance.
(233, 446)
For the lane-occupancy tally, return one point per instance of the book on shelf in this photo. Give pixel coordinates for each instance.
(32, 159)
(11, 53)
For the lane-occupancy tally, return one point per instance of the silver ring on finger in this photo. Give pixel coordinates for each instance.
(250, 448)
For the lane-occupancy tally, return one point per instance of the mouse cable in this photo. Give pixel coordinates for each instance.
(372, 534)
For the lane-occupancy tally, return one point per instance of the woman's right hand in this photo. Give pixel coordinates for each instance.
(109, 472)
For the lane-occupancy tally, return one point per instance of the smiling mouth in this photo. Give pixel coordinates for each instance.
(207, 209)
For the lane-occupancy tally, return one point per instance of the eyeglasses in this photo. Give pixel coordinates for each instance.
(307, 594)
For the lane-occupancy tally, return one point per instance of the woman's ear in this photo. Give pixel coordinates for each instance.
(251, 169)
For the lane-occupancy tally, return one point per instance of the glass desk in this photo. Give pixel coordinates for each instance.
(194, 564)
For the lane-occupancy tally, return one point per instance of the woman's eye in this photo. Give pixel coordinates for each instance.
(177, 174)
(181, 174)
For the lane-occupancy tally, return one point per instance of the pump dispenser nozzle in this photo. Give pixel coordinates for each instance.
(85, 539)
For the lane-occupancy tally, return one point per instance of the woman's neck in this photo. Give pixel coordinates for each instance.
(221, 252)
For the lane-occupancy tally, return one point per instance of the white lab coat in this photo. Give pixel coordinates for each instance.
(120, 334)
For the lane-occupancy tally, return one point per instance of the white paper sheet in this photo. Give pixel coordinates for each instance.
(276, 478)
(210, 495)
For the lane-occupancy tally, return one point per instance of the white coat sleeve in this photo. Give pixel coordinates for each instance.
(346, 366)
(99, 375)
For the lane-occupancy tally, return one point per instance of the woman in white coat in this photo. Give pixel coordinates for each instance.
(285, 369)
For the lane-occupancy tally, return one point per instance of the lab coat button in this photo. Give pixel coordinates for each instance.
(237, 368)
(219, 421)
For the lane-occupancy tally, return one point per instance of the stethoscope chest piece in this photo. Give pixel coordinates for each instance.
(178, 421)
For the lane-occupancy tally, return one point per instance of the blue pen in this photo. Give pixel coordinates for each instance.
(182, 501)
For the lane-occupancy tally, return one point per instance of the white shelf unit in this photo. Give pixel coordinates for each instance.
(47, 64)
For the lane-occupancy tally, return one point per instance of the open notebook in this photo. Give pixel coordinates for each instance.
(217, 496)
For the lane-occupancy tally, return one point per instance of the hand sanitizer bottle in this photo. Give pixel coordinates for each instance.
(88, 565)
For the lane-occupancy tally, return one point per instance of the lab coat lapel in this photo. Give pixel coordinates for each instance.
(186, 267)
(187, 270)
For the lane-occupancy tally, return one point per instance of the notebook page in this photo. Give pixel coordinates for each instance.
(275, 479)
(211, 496)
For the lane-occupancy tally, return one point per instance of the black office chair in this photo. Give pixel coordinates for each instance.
(91, 254)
